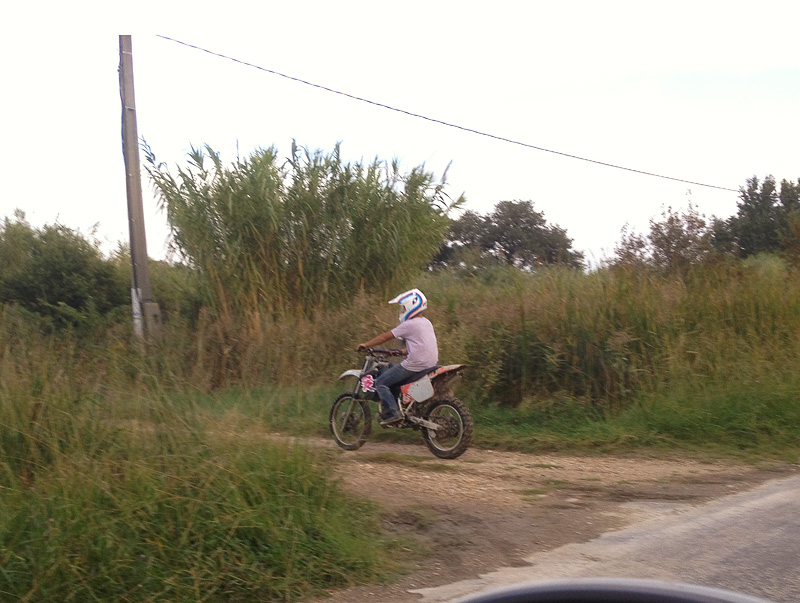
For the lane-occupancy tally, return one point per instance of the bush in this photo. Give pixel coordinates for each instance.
(136, 500)
(57, 273)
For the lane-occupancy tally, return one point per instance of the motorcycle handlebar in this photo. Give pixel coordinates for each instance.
(382, 351)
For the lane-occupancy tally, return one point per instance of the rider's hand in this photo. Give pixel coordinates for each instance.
(361, 347)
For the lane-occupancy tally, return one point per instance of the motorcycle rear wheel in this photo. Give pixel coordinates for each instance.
(350, 421)
(455, 433)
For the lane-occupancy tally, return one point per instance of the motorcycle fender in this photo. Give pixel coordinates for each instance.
(448, 369)
(420, 390)
(351, 373)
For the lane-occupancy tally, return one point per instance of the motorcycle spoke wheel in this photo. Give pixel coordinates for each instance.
(455, 428)
(350, 421)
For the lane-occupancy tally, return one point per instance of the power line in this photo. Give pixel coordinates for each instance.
(444, 123)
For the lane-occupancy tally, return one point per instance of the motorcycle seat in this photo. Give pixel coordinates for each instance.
(416, 376)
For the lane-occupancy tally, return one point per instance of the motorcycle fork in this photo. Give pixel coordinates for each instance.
(364, 368)
(355, 398)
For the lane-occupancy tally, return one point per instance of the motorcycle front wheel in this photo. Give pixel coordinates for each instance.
(350, 421)
(455, 428)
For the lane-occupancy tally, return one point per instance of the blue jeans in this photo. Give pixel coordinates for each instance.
(392, 376)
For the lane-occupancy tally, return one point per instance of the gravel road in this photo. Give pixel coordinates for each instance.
(489, 510)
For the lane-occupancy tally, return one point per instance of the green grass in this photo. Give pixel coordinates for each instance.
(533, 492)
(137, 476)
(758, 419)
(157, 503)
(136, 499)
(752, 420)
(748, 421)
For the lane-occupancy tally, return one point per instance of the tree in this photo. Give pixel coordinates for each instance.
(765, 219)
(677, 241)
(514, 234)
(789, 196)
(757, 221)
(790, 238)
(56, 272)
(632, 250)
(722, 238)
(789, 220)
(470, 231)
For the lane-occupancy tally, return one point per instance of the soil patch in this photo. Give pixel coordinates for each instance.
(488, 510)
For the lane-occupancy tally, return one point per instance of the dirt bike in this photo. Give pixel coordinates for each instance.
(426, 402)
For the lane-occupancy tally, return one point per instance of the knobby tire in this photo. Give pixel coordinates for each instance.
(457, 428)
(350, 421)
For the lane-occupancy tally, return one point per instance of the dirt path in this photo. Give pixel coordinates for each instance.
(488, 510)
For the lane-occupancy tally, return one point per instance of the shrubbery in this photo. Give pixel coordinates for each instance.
(109, 496)
(58, 274)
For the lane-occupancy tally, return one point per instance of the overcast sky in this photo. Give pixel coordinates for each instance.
(707, 92)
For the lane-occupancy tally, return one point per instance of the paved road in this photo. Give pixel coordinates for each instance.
(749, 542)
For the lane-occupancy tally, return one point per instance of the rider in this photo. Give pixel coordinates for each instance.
(421, 350)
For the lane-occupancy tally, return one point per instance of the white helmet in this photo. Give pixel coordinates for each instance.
(412, 303)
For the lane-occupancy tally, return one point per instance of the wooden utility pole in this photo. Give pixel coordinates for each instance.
(146, 314)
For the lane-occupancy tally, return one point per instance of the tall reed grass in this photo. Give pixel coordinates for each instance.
(612, 334)
(114, 487)
(601, 338)
(295, 236)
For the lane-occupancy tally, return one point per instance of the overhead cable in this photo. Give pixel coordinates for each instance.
(444, 123)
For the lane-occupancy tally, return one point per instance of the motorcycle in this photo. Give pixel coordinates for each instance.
(426, 402)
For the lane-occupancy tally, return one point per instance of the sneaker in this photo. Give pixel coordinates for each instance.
(389, 414)
(391, 419)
